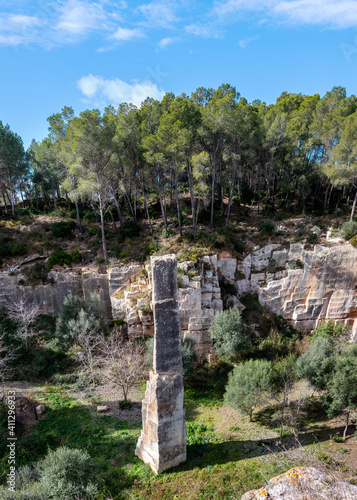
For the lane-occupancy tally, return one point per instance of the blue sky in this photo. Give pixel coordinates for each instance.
(90, 54)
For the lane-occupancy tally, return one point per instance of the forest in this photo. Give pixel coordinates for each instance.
(213, 148)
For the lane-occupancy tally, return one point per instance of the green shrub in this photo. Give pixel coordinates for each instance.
(59, 257)
(229, 333)
(94, 230)
(330, 330)
(349, 229)
(63, 229)
(266, 226)
(248, 384)
(353, 241)
(189, 357)
(37, 273)
(75, 311)
(317, 363)
(129, 229)
(167, 233)
(198, 434)
(67, 474)
(18, 249)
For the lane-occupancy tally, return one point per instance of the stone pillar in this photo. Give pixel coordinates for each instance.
(162, 443)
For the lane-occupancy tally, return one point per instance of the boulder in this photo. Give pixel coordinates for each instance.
(304, 483)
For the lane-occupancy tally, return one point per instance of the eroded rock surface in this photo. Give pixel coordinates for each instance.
(304, 483)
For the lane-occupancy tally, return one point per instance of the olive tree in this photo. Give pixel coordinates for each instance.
(249, 385)
(229, 333)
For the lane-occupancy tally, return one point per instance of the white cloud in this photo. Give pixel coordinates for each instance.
(115, 91)
(165, 42)
(79, 17)
(203, 30)
(243, 43)
(60, 23)
(160, 13)
(127, 35)
(339, 14)
(16, 30)
(332, 13)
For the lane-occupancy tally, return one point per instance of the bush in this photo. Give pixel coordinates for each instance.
(67, 474)
(37, 273)
(349, 229)
(330, 330)
(59, 257)
(248, 385)
(129, 229)
(167, 233)
(189, 357)
(353, 241)
(229, 333)
(77, 310)
(18, 249)
(266, 226)
(63, 229)
(317, 363)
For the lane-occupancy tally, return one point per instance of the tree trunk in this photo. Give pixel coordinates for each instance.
(105, 253)
(329, 197)
(146, 207)
(118, 209)
(78, 216)
(178, 210)
(192, 195)
(55, 203)
(3, 195)
(212, 194)
(114, 225)
(346, 427)
(163, 212)
(326, 195)
(353, 211)
(230, 196)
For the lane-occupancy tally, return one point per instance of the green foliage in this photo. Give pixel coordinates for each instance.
(317, 363)
(78, 315)
(266, 226)
(167, 233)
(36, 274)
(189, 357)
(12, 250)
(63, 229)
(39, 362)
(349, 229)
(129, 229)
(229, 333)
(353, 241)
(330, 330)
(248, 385)
(59, 257)
(342, 387)
(67, 473)
(198, 434)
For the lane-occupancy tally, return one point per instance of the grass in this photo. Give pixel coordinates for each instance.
(226, 454)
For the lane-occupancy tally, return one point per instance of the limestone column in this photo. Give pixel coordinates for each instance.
(162, 443)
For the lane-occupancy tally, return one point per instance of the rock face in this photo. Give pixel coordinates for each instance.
(304, 285)
(302, 483)
(162, 443)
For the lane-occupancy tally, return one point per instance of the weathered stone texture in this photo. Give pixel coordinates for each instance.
(304, 483)
(162, 443)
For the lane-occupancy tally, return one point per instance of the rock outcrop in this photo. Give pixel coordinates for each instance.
(304, 483)
(162, 443)
(304, 285)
